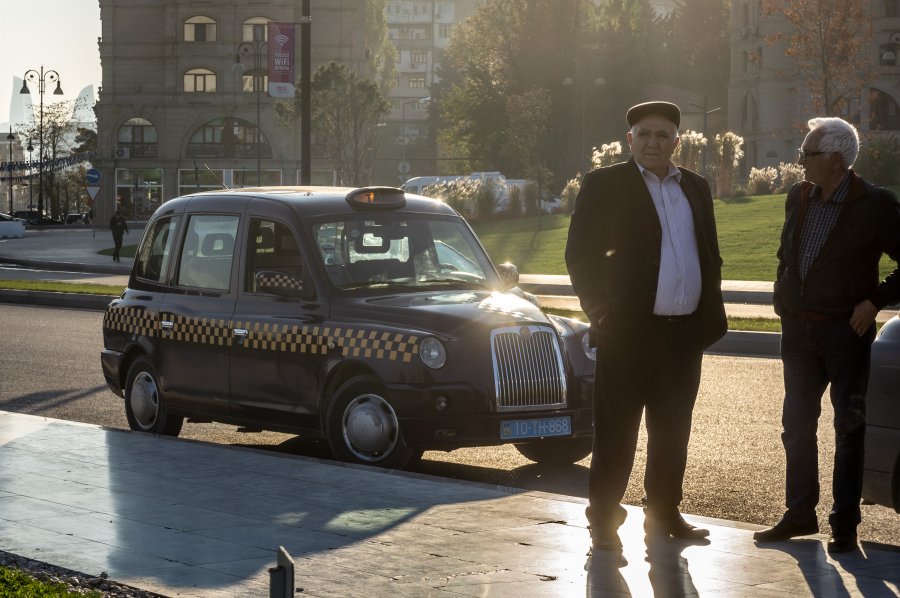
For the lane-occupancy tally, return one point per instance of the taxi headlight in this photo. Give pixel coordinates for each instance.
(589, 351)
(432, 352)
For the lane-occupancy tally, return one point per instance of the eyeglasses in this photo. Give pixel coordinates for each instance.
(803, 154)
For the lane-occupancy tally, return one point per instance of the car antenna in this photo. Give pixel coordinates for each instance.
(224, 186)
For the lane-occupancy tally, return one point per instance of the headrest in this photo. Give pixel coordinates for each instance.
(218, 244)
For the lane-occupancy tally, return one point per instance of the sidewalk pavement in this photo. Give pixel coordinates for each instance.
(186, 518)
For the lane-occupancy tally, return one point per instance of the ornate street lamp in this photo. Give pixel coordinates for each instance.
(9, 141)
(41, 77)
(257, 50)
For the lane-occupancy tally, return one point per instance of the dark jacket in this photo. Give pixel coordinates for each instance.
(846, 269)
(614, 247)
(118, 225)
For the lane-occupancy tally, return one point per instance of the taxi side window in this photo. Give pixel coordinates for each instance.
(208, 252)
(271, 247)
(153, 259)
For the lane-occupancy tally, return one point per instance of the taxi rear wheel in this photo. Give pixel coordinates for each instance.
(556, 451)
(362, 427)
(145, 406)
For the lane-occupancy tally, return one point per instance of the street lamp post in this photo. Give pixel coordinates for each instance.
(41, 77)
(30, 149)
(256, 50)
(9, 139)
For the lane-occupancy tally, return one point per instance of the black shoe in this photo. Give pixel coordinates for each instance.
(840, 542)
(672, 525)
(785, 530)
(604, 538)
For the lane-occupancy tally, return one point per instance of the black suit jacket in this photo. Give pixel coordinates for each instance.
(614, 247)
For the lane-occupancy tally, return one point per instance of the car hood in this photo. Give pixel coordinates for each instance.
(451, 314)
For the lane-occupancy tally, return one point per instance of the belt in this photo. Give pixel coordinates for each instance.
(672, 319)
(814, 316)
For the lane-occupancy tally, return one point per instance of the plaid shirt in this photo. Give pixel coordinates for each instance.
(821, 214)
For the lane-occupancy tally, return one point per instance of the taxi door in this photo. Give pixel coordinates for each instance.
(278, 349)
(195, 323)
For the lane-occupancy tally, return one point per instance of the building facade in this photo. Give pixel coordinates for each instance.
(183, 105)
(769, 108)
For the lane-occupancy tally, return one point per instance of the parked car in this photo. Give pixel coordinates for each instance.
(34, 217)
(76, 218)
(9, 218)
(881, 478)
(368, 317)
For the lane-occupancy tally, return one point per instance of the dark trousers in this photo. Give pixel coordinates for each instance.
(657, 372)
(117, 240)
(816, 353)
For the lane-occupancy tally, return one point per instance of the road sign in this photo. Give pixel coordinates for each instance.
(403, 167)
(92, 191)
(92, 176)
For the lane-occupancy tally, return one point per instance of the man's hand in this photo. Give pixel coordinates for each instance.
(863, 316)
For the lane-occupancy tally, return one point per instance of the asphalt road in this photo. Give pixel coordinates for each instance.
(49, 365)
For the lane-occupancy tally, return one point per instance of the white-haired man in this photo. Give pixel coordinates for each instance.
(827, 293)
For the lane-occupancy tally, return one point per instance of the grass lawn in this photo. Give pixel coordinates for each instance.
(749, 230)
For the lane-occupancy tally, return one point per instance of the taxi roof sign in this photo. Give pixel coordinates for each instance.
(377, 198)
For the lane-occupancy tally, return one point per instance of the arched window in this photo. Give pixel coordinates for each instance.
(199, 29)
(256, 80)
(256, 29)
(196, 80)
(884, 114)
(228, 137)
(137, 139)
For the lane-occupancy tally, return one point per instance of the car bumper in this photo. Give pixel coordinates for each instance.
(111, 362)
(880, 483)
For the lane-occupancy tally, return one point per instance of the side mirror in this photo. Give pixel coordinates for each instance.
(509, 275)
(279, 283)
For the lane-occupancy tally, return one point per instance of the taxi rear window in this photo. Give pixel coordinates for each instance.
(156, 251)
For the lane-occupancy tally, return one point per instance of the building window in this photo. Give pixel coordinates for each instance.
(418, 57)
(138, 137)
(198, 80)
(444, 30)
(228, 138)
(199, 29)
(256, 81)
(256, 29)
(417, 82)
(139, 191)
(884, 114)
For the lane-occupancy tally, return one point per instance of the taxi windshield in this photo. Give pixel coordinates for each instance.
(402, 251)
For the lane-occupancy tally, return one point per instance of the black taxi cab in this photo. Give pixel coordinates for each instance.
(368, 317)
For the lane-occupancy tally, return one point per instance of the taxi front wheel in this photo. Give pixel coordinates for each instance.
(362, 427)
(145, 407)
(557, 451)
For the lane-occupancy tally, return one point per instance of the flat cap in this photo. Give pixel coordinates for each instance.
(665, 109)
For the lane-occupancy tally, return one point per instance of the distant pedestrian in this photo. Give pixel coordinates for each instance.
(119, 227)
(827, 292)
(644, 260)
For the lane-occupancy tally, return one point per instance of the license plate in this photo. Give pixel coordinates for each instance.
(535, 428)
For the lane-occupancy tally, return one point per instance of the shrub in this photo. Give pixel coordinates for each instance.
(459, 194)
(607, 155)
(789, 174)
(762, 180)
(570, 192)
(689, 152)
(729, 152)
(878, 158)
(531, 199)
(514, 209)
(485, 199)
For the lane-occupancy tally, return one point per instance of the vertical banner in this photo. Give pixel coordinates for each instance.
(281, 60)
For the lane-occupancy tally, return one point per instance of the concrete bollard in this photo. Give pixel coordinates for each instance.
(281, 577)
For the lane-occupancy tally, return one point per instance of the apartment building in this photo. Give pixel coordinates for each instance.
(183, 104)
(769, 108)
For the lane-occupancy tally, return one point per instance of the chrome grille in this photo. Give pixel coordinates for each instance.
(528, 368)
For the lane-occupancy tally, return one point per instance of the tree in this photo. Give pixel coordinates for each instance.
(85, 141)
(827, 40)
(381, 50)
(345, 109)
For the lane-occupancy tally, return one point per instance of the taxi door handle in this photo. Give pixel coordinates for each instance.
(240, 334)
(167, 325)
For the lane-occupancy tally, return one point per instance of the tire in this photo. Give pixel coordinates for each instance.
(557, 451)
(362, 427)
(145, 406)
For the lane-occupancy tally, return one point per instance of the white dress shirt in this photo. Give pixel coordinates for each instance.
(678, 288)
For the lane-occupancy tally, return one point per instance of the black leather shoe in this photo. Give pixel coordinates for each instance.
(674, 526)
(785, 530)
(838, 543)
(604, 538)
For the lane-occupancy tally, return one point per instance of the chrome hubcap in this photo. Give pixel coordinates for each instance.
(370, 428)
(144, 400)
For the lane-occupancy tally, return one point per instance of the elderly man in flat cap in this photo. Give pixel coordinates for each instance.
(644, 260)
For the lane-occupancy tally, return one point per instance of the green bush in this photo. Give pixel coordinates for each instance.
(878, 158)
(514, 210)
(531, 199)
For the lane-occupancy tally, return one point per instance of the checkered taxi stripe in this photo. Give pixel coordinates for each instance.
(363, 343)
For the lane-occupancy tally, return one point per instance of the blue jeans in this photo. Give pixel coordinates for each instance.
(816, 353)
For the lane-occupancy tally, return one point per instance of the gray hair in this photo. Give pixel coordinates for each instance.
(838, 136)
